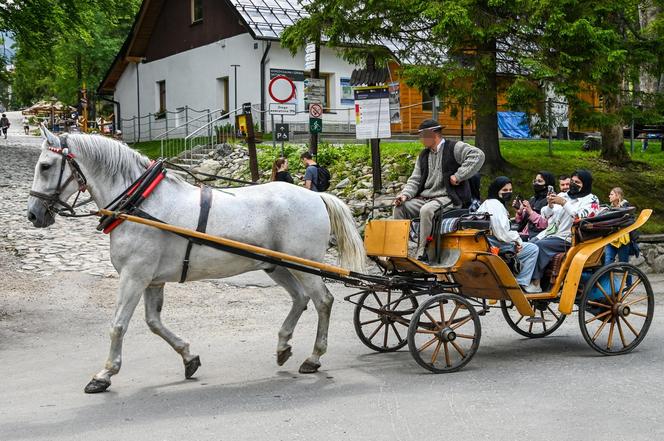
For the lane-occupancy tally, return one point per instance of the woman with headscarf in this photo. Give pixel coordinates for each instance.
(500, 193)
(562, 210)
(528, 215)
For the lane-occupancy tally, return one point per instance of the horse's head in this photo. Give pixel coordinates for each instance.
(53, 184)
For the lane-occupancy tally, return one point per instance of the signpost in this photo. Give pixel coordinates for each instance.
(372, 112)
(251, 142)
(282, 109)
(281, 89)
(315, 125)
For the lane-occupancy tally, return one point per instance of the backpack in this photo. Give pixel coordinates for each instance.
(323, 179)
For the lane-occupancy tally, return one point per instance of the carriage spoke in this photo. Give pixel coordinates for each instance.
(447, 354)
(387, 330)
(543, 320)
(377, 299)
(470, 337)
(631, 328)
(433, 320)
(521, 318)
(599, 330)
(613, 286)
(394, 328)
(640, 314)
(604, 292)
(456, 308)
(622, 283)
(613, 324)
(462, 322)
(441, 306)
(601, 305)
(436, 351)
(426, 331)
(620, 331)
(458, 348)
(530, 327)
(553, 313)
(427, 344)
(598, 316)
(373, 334)
(640, 299)
(368, 322)
(631, 290)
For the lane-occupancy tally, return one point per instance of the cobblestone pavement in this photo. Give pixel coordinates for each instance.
(67, 245)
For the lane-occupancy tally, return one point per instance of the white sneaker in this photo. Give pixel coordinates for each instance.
(531, 289)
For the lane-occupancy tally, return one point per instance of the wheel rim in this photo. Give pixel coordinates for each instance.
(379, 331)
(444, 333)
(616, 309)
(545, 321)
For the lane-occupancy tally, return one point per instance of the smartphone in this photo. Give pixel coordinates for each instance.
(552, 190)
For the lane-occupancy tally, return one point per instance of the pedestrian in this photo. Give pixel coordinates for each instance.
(4, 124)
(440, 180)
(26, 125)
(310, 172)
(622, 246)
(280, 171)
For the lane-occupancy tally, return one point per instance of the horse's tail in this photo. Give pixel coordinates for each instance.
(351, 249)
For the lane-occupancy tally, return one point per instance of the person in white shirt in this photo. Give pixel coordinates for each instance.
(500, 192)
(563, 209)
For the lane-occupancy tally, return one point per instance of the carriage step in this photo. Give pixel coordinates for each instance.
(537, 320)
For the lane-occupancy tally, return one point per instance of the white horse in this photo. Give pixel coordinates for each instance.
(277, 216)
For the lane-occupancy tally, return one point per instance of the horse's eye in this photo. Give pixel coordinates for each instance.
(45, 167)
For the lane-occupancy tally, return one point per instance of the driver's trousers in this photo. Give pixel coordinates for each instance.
(425, 209)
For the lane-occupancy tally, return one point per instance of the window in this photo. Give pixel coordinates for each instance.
(196, 10)
(222, 95)
(427, 102)
(161, 94)
(320, 89)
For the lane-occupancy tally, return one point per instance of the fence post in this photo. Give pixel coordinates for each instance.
(149, 126)
(631, 136)
(209, 124)
(166, 123)
(186, 121)
(548, 117)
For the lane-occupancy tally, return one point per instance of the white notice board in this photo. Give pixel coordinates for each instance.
(372, 112)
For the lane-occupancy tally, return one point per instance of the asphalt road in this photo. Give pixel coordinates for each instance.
(54, 337)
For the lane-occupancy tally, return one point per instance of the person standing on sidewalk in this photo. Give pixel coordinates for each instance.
(4, 125)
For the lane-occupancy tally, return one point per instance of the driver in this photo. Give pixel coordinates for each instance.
(439, 180)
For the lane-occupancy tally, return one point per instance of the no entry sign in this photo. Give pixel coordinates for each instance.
(281, 89)
(315, 110)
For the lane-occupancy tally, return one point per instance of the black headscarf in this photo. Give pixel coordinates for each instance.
(587, 178)
(496, 185)
(539, 199)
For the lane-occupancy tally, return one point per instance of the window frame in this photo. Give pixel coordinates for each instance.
(194, 9)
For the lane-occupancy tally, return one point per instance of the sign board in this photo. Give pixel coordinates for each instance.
(310, 57)
(315, 125)
(395, 103)
(241, 125)
(315, 110)
(314, 91)
(293, 75)
(372, 112)
(281, 89)
(281, 132)
(246, 108)
(282, 109)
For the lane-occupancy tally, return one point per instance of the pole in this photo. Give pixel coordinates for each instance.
(235, 66)
(283, 155)
(376, 168)
(313, 148)
(462, 122)
(251, 143)
(274, 139)
(631, 136)
(186, 120)
(138, 103)
(548, 111)
(149, 126)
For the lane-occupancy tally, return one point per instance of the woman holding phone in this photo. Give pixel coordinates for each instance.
(528, 213)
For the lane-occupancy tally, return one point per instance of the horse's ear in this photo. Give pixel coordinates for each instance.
(53, 140)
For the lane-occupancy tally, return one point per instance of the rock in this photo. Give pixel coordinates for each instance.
(365, 184)
(651, 254)
(343, 184)
(658, 265)
(638, 261)
(209, 166)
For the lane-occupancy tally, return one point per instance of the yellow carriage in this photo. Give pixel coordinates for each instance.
(436, 310)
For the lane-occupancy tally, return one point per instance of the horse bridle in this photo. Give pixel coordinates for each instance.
(51, 200)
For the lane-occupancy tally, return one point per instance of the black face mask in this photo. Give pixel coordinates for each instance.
(539, 188)
(574, 189)
(506, 197)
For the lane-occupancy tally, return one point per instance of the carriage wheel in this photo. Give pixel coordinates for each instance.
(444, 333)
(545, 321)
(376, 327)
(616, 309)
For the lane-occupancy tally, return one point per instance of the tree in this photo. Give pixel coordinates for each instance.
(463, 44)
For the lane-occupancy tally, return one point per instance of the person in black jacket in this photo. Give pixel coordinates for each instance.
(280, 171)
(4, 125)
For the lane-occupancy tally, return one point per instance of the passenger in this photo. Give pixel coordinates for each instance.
(578, 202)
(620, 247)
(280, 171)
(528, 214)
(500, 193)
(563, 184)
(440, 179)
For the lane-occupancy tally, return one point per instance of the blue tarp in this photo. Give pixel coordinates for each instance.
(513, 125)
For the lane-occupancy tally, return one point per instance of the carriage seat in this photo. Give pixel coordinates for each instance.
(553, 268)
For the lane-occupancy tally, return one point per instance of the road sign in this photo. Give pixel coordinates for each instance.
(314, 90)
(282, 109)
(246, 108)
(281, 132)
(281, 89)
(315, 125)
(310, 56)
(315, 110)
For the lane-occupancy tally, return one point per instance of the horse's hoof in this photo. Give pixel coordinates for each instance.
(309, 367)
(191, 366)
(96, 386)
(283, 356)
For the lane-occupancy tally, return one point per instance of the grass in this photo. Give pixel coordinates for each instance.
(642, 179)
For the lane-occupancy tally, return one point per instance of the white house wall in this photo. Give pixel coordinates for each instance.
(191, 80)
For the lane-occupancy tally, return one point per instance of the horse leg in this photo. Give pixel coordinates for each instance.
(154, 300)
(322, 300)
(128, 297)
(285, 278)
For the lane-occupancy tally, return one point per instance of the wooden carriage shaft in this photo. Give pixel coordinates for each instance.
(231, 244)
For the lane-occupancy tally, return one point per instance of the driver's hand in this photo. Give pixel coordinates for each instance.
(400, 199)
(454, 180)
